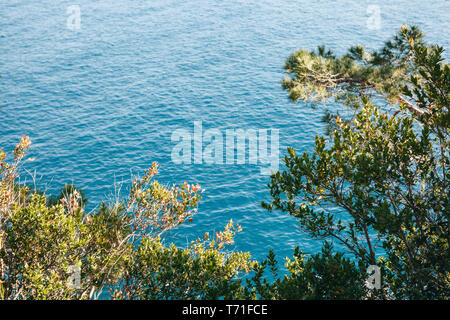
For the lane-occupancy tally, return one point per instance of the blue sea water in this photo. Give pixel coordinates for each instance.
(102, 102)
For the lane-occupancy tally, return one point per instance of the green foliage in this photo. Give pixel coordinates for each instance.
(199, 272)
(377, 183)
(322, 276)
(120, 254)
(379, 174)
(40, 250)
(320, 75)
(117, 249)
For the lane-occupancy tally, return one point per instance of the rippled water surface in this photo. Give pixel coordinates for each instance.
(102, 102)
